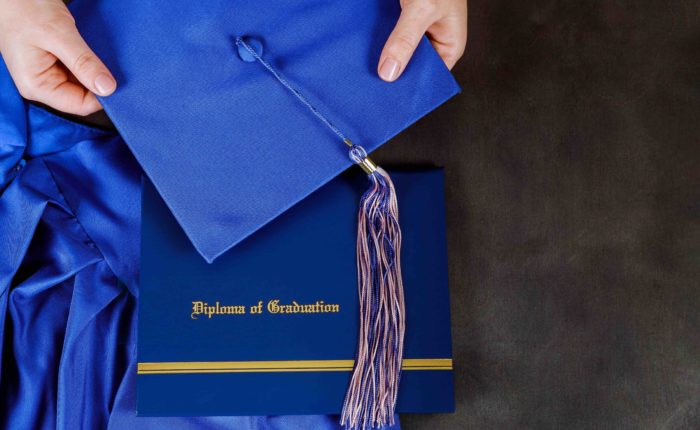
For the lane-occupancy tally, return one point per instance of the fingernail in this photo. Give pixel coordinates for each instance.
(105, 84)
(389, 70)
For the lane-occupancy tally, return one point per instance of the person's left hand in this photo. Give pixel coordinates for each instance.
(445, 23)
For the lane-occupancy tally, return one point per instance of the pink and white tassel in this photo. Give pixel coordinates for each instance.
(371, 398)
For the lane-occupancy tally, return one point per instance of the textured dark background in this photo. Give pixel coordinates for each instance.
(573, 197)
(573, 167)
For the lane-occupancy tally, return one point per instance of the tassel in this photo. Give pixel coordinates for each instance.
(371, 398)
(370, 401)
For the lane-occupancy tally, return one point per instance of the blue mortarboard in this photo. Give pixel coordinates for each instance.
(235, 110)
(226, 146)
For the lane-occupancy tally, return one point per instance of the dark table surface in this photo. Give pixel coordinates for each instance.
(573, 196)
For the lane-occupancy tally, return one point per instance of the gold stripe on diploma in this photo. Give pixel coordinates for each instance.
(280, 366)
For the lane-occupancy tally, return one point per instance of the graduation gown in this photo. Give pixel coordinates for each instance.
(229, 134)
(69, 263)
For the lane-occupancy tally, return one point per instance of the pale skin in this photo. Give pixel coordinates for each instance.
(50, 62)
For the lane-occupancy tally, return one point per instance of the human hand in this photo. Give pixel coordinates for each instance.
(48, 59)
(444, 21)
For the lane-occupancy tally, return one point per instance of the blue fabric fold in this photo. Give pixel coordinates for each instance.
(69, 263)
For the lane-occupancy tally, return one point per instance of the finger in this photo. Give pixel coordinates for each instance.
(74, 98)
(449, 38)
(54, 88)
(76, 55)
(415, 19)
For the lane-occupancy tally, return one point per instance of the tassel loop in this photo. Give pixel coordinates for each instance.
(359, 156)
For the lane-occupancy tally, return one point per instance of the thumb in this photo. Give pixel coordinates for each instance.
(76, 55)
(414, 20)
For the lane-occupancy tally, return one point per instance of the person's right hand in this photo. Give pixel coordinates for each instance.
(443, 21)
(48, 59)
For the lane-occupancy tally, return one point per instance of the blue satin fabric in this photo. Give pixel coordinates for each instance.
(69, 248)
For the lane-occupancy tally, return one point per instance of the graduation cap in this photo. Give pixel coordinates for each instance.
(238, 110)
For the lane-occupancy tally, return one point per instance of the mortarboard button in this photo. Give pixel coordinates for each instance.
(253, 43)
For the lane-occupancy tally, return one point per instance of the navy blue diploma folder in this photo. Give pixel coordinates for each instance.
(271, 326)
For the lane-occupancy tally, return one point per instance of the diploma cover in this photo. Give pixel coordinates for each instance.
(271, 326)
